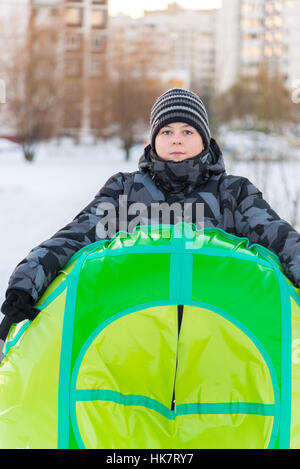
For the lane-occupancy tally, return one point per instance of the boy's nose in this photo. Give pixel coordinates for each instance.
(177, 139)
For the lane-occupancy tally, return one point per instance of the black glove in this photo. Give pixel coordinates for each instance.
(19, 306)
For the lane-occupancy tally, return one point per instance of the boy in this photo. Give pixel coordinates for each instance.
(182, 164)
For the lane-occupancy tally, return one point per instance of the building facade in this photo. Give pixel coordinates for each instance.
(255, 32)
(81, 28)
(178, 44)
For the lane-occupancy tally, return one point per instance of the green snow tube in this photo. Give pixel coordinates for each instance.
(165, 338)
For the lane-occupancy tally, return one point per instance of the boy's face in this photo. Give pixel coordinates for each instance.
(178, 141)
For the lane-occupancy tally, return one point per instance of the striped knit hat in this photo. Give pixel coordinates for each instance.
(179, 105)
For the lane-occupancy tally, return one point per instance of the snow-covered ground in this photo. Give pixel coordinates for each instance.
(249, 144)
(39, 198)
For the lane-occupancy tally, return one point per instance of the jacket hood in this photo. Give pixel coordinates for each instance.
(183, 176)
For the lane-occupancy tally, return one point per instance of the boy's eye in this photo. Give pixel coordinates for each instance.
(168, 132)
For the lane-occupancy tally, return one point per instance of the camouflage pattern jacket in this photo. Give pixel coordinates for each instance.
(231, 203)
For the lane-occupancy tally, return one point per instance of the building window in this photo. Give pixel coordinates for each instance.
(73, 91)
(73, 41)
(268, 51)
(269, 8)
(269, 36)
(277, 51)
(98, 19)
(277, 21)
(73, 66)
(73, 16)
(269, 22)
(251, 23)
(251, 51)
(278, 36)
(98, 43)
(95, 67)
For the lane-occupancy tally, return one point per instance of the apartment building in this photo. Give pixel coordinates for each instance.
(175, 42)
(12, 30)
(252, 32)
(81, 27)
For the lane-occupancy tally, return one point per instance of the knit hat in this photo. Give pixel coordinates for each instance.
(179, 105)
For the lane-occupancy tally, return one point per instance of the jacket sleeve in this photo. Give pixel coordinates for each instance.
(256, 220)
(34, 273)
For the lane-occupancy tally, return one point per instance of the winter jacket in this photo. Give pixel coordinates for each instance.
(231, 203)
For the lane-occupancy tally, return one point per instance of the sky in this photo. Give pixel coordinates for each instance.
(136, 7)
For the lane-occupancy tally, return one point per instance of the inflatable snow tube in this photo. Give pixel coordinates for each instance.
(164, 338)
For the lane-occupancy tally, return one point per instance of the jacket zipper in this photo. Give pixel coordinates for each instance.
(179, 322)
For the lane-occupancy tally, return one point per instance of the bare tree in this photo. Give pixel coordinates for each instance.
(237, 102)
(273, 103)
(263, 97)
(33, 86)
(97, 89)
(130, 105)
(130, 88)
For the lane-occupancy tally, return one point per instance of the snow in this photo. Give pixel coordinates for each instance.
(39, 198)
(6, 146)
(246, 144)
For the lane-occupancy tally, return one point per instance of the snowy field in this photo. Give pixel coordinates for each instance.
(39, 198)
